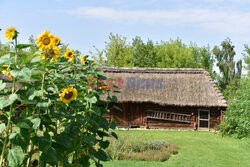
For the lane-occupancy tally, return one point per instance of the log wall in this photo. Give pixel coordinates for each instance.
(135, 115)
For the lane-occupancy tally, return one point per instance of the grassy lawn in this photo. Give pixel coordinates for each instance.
(195, 149)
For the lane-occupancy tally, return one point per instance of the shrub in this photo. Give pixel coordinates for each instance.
(237, 116)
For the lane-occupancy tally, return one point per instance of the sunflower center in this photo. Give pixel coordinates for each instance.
(51, 52)
(12, 33)
(70, 54)
(68, 95)
(46, 41)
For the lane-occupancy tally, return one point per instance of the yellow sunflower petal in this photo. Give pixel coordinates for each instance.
(82, 60)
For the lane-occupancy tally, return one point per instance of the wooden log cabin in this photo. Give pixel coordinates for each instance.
(182, 98)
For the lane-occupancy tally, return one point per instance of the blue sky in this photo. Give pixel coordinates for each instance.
(87, 23)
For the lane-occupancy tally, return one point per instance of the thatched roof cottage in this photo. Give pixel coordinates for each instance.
(182, 98)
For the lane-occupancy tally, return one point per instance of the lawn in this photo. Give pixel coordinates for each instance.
(196, 148)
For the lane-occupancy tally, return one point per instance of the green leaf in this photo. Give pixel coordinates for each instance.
(92, 99)
(89, 139)
(2, 85)
(102, 134)
(99, 72)
(32, 93)
(104, 144)
(2, 127)
(36, 59)
(21, 139)
(6, 59)
(103, 123)
(36, 123)
(64, 140)
(24, 123)
(15, 157)
(113, 125)
(43, 142)
(49, 156)
(101, 155)
(113, 99)
(22, 46)
(116, 107)
(27, 101)
(4, 103)
(44, 104)
(114, 135)
(24, 74)
(115, 118)
(38, 52)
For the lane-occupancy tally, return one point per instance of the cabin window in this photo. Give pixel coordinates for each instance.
(204, 119)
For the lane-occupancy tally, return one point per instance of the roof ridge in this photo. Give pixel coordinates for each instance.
(152, 70)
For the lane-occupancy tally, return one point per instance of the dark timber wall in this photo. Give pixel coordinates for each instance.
(135, 115)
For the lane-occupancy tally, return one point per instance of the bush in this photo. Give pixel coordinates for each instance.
(237, 117)
(139, 148)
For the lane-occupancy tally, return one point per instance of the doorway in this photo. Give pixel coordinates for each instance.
(204, 119)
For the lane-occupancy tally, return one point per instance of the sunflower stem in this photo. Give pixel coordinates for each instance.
(75, 72)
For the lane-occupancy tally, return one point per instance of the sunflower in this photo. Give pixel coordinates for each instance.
(68, 95)
(104, 88)
(45, 41)
(57, 40)
(7, 73)
(11, 33)
(54, 53)
(69, 54)
(51, 54)
(82, 60)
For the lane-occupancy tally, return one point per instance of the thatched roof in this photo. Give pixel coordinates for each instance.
(167, 86)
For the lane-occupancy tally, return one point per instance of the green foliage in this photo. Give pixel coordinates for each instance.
(230, 71)
(35, 122)
(237, 117)
(169, 54)
(247, 59)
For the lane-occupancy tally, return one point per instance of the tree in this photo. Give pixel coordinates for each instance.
(229, 69)
(143, 54)
(166, 54)
(117, 52)
(247, 59)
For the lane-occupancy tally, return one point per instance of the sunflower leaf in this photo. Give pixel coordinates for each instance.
(2, 85)
(6, 59)
(36, 59)
(22, 46)
(24, 74)
(15, 156)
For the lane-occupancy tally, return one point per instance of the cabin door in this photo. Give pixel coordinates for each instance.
(134, 117)
(204, 119)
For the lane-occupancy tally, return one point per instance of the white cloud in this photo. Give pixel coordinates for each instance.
(234, 22)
